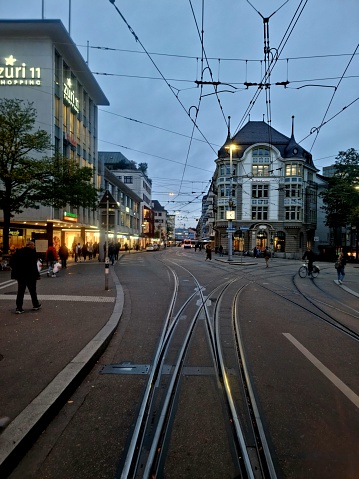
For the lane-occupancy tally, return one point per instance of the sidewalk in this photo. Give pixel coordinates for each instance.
(45, 354)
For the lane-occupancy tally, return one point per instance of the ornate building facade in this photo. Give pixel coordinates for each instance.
(263, 193)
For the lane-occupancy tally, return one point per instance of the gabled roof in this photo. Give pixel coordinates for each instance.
(156, 206)
(260, 132)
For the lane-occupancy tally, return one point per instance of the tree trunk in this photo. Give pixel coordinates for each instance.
(6, 228)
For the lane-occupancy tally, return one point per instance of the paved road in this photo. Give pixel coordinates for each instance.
(45, 355)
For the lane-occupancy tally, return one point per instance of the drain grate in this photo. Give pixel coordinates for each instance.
(126, 368)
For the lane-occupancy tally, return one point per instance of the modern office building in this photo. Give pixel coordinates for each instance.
(124, 222)
(263, 193)
(40, 63)
(137, 180)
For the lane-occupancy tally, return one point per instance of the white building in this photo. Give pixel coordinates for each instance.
(135, 179)
(267, 189)
(40, 63)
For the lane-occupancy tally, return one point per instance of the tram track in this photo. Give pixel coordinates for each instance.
(146, 453)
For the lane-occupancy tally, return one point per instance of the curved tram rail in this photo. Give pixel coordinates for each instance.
(148, 443)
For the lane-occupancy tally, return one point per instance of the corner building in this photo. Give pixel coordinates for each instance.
(271, 192)
(40, 63)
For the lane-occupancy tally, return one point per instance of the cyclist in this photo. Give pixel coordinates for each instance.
(310, 256)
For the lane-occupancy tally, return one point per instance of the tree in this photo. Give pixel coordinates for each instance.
(30, 178)
(341, 197)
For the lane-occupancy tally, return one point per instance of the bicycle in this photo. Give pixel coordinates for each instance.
(303, 271)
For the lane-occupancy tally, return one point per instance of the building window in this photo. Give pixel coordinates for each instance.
(260, 191)
(293, 169)
(261, 156)
(128, 179)
(260, 170)
(293, 213)
(293, 191)
(259, 213)
(225, 169)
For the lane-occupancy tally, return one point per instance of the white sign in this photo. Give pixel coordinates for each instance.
(69, 96)
(316, 238)
(13, 74)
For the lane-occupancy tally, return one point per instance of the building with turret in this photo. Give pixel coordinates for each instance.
(263, 193)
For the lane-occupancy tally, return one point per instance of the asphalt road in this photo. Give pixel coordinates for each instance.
(304, 373)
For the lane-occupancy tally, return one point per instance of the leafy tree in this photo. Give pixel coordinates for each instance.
(30, 178)
(341, 197)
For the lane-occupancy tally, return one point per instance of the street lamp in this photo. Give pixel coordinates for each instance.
(230, 213)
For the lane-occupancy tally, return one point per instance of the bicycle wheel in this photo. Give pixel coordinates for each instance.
(315, 272)
(302, 271)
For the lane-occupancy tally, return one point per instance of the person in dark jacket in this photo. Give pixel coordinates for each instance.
(24, 269)
(64, 254)
(310, 256)
(340, 267)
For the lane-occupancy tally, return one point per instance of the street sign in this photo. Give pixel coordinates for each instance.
(231, 229)
(112, 203)
(243, 228)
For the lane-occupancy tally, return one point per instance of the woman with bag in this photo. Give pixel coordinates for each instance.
(340, 266)
(51, 258)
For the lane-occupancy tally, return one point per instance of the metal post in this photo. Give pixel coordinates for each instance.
(107, 263)
(230, 246)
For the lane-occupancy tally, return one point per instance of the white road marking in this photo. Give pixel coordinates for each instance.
(354, 398)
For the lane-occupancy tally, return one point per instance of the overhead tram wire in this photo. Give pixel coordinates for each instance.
(159, 71)
(330, 102)
(273, 62)
(196, 115)
(154, 156)
(153, 126)
(313, 130)
(205, 56)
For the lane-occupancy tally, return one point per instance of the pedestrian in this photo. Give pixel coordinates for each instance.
(208, 252)
(95, 249)
(112, 253)
(24, 269)
(266, 254)
(220, 249)
(310, 256)
(340, 267)
(64, 254)
(51, 258)
(255, 252)
(84, 251)
(90, 249)
(78, 251)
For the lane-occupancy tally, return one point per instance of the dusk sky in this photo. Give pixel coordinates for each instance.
(148, 60)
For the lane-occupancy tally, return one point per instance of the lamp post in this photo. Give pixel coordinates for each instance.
(230, 213)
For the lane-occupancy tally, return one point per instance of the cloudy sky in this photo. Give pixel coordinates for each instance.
(148, 56)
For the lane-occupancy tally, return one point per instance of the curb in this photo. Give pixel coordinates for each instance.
(28, 425)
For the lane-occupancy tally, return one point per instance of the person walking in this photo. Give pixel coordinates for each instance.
(24, 269)
(78, 251)
(51, 258)
(220, 249)
(310, 256)
(266, 254)
(208, 252)
(64, 254)
(255, 252)
(340, 267)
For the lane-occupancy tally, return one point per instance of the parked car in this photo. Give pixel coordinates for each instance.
(152, 247)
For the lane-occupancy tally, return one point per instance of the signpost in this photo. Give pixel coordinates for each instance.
(107, 201)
